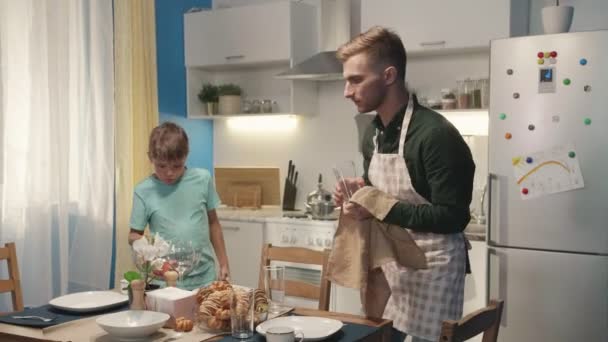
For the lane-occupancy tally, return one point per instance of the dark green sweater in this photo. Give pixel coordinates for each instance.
(440, 165)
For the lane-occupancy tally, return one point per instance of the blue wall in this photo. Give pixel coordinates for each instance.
(172, 78)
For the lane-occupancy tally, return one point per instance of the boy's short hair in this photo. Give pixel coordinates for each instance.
(381, 45)
(168, 142)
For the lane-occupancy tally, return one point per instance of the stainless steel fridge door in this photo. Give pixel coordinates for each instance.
(575, 220)
(550, 296)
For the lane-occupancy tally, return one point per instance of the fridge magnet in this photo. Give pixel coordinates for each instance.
(547, 172)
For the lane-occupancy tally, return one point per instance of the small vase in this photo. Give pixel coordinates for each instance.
(210, 108)
(557, 19)
(230, 104)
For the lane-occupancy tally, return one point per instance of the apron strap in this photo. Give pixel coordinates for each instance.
(406, 123)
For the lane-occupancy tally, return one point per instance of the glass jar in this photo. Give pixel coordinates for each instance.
(463, 94)
(266, 106)
(485, 92)
(448, 99)
(476, 94)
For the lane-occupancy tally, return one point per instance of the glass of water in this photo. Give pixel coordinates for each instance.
(274, 286)
(242, 304)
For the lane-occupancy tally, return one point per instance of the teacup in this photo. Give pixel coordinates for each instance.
(283, 334)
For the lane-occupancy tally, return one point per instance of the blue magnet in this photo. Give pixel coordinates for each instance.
(583, 61)
(529, 160)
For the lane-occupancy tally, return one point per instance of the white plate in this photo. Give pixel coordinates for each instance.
(89, 301)
(313, 328)
(132, 324)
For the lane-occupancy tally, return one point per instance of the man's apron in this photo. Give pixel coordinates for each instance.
(420, 299)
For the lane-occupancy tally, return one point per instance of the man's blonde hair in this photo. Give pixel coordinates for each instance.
(168, 142)
(381, 45)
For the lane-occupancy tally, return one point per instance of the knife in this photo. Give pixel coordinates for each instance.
(289, 170)
(295, 178)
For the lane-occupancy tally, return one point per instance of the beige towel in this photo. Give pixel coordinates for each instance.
(362, 247)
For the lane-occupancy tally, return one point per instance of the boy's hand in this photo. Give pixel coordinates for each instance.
(224, 272)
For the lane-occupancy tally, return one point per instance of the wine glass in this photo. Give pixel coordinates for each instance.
(184, 258)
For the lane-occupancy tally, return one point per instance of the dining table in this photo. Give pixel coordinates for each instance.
(86, 329)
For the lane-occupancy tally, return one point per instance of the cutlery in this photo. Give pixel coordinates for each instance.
(44, 319)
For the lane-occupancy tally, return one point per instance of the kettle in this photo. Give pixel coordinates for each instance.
(320, 204)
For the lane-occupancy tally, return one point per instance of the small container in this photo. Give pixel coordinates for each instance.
(476, 94)
(256, 106)
(464, 94)
(266, 106)
(485, 92)
(448, 99)
(434, 103)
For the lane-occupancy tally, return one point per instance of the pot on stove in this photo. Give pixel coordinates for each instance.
(320, 204)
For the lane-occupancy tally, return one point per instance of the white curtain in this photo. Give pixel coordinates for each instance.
(56, 143)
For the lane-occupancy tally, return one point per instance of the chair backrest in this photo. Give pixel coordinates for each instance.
(485, 320)
(13, 283)
(300, 256)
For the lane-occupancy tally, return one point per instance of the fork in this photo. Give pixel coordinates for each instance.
(44, 319)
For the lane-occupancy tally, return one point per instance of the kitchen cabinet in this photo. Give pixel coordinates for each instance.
(244, 241)
(248, 46)
(438, 25)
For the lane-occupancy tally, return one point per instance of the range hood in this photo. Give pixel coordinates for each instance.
(335, 31)
(324, 66)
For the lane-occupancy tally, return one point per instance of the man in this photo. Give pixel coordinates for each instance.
(416, 155)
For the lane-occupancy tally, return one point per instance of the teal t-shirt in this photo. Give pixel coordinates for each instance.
(178, 212)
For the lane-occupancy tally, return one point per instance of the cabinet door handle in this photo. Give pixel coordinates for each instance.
(433, 43)
(235, 57)
(236, 229)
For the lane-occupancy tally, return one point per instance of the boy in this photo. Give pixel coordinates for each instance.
(179, 204)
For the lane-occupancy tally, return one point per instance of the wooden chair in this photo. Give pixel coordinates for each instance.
(485, 320)
(13, 283)
(301, 256)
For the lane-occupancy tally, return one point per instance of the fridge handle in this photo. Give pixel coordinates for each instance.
(491, 177)
(501, 276)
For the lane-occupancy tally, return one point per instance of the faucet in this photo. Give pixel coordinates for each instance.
(481, 218)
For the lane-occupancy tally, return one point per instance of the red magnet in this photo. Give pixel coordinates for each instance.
(541, 55)
(524, 191)
(553, 54)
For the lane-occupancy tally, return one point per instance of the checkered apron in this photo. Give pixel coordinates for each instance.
(420, 299)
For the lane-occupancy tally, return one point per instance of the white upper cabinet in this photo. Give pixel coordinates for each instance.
(240, 35)
(438, 24)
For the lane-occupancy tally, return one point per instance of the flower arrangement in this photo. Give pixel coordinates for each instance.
(149, 257)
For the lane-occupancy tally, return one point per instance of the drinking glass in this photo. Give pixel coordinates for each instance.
(242, 303)
(274, 286)
(346, 175)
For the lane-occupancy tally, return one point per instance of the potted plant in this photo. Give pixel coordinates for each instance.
(229, 98)
(209, 97)
(557, 19)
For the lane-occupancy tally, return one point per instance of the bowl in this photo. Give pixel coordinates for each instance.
(132, 324)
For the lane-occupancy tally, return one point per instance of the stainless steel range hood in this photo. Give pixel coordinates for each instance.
(324, 66)
(335, 31)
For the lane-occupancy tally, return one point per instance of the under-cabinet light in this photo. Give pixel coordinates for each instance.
(263, 123)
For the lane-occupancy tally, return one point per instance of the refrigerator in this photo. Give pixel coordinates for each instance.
(548, 186)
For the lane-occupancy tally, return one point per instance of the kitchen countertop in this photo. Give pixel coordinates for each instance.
(473, 232)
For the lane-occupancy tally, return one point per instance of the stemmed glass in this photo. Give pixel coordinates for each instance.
(184, 257)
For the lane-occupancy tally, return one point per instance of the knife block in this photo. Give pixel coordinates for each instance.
(289, 196)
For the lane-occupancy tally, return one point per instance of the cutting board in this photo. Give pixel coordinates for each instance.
(244, 195)
(227, 179)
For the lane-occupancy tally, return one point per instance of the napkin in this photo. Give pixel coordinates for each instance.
(173, 301)
(59, 316)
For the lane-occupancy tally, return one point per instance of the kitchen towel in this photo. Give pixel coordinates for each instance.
(362, 247)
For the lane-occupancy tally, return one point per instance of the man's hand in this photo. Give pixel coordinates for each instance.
(356, 211)
(340, 190)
